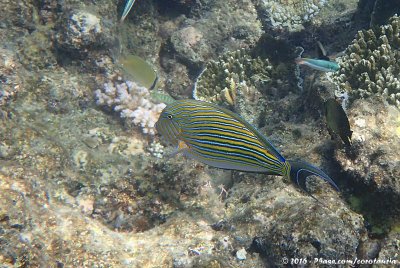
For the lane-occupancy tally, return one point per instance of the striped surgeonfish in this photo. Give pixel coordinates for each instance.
(220, 138)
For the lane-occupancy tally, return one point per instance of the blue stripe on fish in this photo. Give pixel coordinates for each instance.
(204, 130)
(228, 138)
(224, 120)
(229, 149)
(220, 138)
(127, 8)
(248, 160)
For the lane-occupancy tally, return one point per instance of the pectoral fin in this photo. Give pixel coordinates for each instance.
(181, 146)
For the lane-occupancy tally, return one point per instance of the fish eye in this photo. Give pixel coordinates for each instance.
(169, 116)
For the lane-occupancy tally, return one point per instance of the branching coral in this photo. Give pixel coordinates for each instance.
(232, 74)
(371, 65)
(132, 101)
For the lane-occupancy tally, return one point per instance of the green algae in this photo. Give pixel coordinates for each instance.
(381, 216)
(355, 203)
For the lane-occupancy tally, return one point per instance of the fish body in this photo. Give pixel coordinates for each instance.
(158, 97)
(139, 71)
(322, 65)
(220, 138)
(337, 121)
(127, 8)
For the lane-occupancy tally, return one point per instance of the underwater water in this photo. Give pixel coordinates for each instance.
(89, 178)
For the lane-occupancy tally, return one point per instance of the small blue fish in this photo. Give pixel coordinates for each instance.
(127, 8)
(322, 65)
(220, 138)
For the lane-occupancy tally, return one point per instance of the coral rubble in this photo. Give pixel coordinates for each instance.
(133, 101)
(371, 64)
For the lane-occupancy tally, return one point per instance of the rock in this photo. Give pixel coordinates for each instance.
(368, 250)
(390, 249)
(80, 31)
(376, 144)
(227, 26)
(11, 75)
(241, 254)
(278, 221)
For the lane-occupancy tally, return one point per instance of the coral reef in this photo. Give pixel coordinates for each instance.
(10, 75)
(291, 14)
(374, 135)
(284, 224)
(226, 26)
(390, 248)
(86, 225)
(17, 19)
(33, 50)
(235, 80)
(132, 101)
(82, 30)
(78, 188)
(373, 162)
(78, 30)
(248, 84)
(371, 64)
(231, 74)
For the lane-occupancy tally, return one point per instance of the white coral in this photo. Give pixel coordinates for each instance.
(132, 101)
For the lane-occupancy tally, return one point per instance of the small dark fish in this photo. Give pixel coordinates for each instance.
(220, 138)
(337, 121)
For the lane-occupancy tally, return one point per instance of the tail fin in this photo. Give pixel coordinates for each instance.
(299, 60)
(299, 171)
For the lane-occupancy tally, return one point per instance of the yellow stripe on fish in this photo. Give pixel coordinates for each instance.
(220, 138)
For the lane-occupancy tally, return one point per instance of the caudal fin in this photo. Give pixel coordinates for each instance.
(299, 171)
